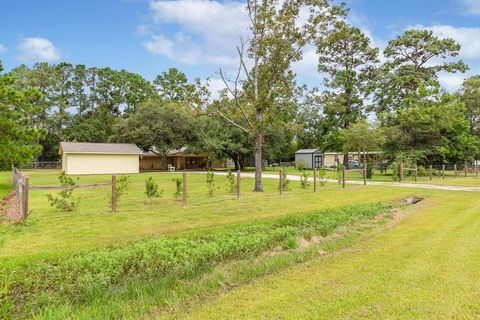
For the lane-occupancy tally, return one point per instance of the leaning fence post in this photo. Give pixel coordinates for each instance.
(238, 184)
(416, 172)
(343, 176)
(465, 168)
(184, 193)
(430, 172)
(443, 171)
(280, 179)
(114, 193)
(476, 168)
(314, 180)
(401, 171)
(455, 170)
(20, 190)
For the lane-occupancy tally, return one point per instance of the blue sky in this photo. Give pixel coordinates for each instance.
(197, 36)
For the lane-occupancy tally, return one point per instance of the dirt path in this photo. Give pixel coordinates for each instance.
(371, 183)
(9, 208)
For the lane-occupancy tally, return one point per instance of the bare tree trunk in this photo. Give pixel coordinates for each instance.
(258, 162)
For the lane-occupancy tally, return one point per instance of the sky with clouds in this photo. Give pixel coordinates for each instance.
(199, 36)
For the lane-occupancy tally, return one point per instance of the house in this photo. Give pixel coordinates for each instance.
(330, 158)
(180, 159)
(99, 158)
(312, 158)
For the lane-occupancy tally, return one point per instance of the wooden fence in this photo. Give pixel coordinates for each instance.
(22, 187)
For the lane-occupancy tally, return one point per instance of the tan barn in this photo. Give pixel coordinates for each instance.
(179, 159)
(99, 158)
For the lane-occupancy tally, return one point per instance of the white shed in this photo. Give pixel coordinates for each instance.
(99, 158)
(313, 158)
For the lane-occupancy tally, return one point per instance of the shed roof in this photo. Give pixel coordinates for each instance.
(99, 148)
(306, 151)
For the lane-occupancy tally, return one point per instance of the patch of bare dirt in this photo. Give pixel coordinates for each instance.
(9, 208)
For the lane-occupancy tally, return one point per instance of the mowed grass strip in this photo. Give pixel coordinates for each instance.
(49, 232)
(427, 267)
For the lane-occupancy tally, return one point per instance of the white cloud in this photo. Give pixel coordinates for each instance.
(451, 81)
(472, 7)
(37, 50)
(207, 30)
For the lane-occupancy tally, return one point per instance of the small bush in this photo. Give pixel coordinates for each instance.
(285, 181)
(300, 165)
(232, 182)
(151, 189)
(304, 183)
(178, 187)
(210, 183)
(322, 174)
(121, 187)
(65, 200)
(369, 170)
(422, 172)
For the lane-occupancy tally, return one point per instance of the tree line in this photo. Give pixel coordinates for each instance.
(391, 100)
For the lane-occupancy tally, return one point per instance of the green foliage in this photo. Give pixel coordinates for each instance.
(151, 189)
(64, 200)
(395, 171)
(80, 277)
(290, 243)
(370, 170)
(210, 183)
(300, 165)
(304, 183)
(19, 129)
(178, 187)
(232, 181)
(322, 176)
(285, 181)
(422, 171)
(122, 186)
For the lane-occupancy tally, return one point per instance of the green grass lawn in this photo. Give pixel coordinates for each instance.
(426, 267)
(74, 246)
(49, 231)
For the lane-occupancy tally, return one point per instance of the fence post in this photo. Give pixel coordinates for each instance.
(114, 193)
(430, 172)
(314, 180)
(416, 172)
(26, 187)
(20, 201)
(401, 171)
(465, 168)
(280, 178)
(476, 168)
(184, 193)
(238, 184)
(343, 176)
(455, 170)
(365, 164)
(443, 171)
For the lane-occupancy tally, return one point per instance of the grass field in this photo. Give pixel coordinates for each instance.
(92, 264)
(427, 267)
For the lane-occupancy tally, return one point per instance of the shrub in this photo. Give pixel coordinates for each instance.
(369, 170)
(65, 200)
(322, 176)
(422, 172)
(121, 187)
(285, 181)
(178, 187)
(304, 180)
(290, 243)
(210, 183)
(300, 165)
(232, 182)
(151, 189)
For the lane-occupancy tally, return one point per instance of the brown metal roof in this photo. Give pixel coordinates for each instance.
(99, 148)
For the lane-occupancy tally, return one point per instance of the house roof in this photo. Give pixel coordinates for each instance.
(99, 148)
(306, 151)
